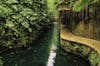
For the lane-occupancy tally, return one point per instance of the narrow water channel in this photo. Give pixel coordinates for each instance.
(55, 43)
(39, 53)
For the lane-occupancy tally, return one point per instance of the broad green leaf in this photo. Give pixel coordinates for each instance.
(30, 29)
(25, 24)
(11, 1)
(4, 10)
(9, 24)
(1, 62)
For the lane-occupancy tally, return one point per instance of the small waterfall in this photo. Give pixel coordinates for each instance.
(53, 53)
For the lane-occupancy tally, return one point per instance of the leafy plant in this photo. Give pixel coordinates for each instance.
(52, 7)
(79, 5)
(21, 21)
(94, 58)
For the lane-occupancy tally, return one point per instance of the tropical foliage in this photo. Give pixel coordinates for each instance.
(21, 21)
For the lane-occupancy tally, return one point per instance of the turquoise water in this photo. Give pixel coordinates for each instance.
(38, 53)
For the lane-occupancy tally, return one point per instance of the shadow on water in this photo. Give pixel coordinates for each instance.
(69, 59)
(37, 54)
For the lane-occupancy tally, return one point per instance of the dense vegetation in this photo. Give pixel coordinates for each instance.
(79, 5)
(82, 19)
(21, 21)
(52, 7)
(84, 51)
